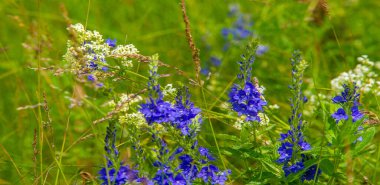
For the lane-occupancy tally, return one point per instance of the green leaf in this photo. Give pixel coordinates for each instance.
(327, 167)
(227, 137)
(367, 138)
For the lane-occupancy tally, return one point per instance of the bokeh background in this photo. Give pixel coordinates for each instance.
(33, 36)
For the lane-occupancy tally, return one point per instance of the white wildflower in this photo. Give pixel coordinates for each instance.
(133, 118)
(273, 107)
(364, 75)
(169, 90)
(264, 119)
(88, 52)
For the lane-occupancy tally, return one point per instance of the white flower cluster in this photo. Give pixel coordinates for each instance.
(87, 54)
(274, 107)
(122, 51)
(134, 118)
(264, 119)
(364, 75)
(169, 90)
(124, 103)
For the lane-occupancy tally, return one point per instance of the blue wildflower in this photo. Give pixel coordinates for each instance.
(304, 145)
(105, 68)
(285, 151)
(261, 50)
(157, 110)
(91, 78)
(120, 177)
(189, 170)
(340, 114)
(184, 112)
(233, 9)
(205, 71)
(293, 142)
(247, 101)
(204, 152)
(347, 95)
(212, 174)
(179, 180)
(356, 114)
(116, 175)
(298, 166)
(310, 173)
(215, 61)
(93, 65)
(349, 98)
(164, 176)
(339, 99)
(225, 32)
(111, 43)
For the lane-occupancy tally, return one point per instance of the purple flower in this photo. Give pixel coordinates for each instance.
(93, 65)
(340, 114)
(225, 32)
(247, 101)
(348, 95)
(179, 180)
(205, 71)
(111, 43)
(293, 168)
(261, 50)
(120, 177)
(339, 99)
(189, 170)
(304, 145)
(305, 99)
(91, 78)
(164, 176)
(356, 114)
(157, 110)
(310, 173)
(285, 151)
(204, 152)
(211, 174)
(215, 61)
(105, 68)
(184, 112)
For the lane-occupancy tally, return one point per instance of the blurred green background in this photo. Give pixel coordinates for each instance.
(33, 33)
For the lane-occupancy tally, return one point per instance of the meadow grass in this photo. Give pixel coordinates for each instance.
(44, 141)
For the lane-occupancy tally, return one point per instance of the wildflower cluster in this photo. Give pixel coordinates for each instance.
(184, 117)
(115, 172)
(245, 98)
(162, 133)
(293, 142)
(189, 169)
(348, 100)
(349, 110)
(365, 75)
(240, 30)
(235, 34)
(88, 54)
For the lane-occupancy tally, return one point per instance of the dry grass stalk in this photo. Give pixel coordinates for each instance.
(194, 49)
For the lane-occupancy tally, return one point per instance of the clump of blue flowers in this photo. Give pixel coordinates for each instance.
(189, 162)
(348, 99)
(245, 97)
(156, 110)
(293, 142)
(184, 112)
(237, 33)
(115, 172)
(240, 30)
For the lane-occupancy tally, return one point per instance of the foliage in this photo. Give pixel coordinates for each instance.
(82, 108)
